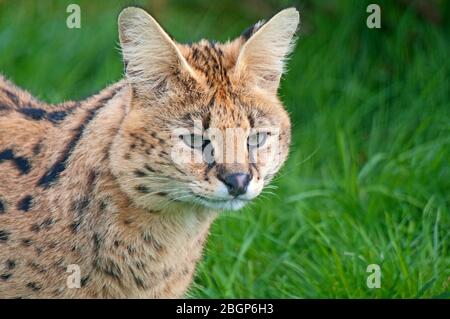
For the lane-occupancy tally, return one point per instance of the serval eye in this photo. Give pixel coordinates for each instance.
(194, 141)
(258, 139)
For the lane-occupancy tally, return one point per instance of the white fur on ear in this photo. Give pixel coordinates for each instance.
(264, 54)
(149, 53)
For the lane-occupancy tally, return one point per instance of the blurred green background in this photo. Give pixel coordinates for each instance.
(368, 178)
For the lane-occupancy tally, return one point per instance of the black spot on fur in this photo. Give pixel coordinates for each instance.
(35, 228)
(251, 120)
(142, 189)
(38, 114)
(96, 242)
(108, 267)
(27, 242)
(53, 173)
(139, 173)
(151, 240)
(2, 207)
(22, 164)
(161, 194)
(75, 226)
(137, 280)
(38, 251)
(112, 269)
(60, 263)
(148, 168)
(6, 155)
(25, 203)
(81, 204)
(10, 264)
(34, 286)
(14, 98)
(46, 223)
(103, 205)
(127, 221)
(4, 236)
(84, 280)
(38, 268)
(167, 273)
(33, 113)
(5, 277)
(57, 116)
(37, 148)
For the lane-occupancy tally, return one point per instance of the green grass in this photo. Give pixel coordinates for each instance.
(368, 178)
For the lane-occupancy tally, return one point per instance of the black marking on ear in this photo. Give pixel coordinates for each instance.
(4, 236)
(34, 286)
(25, 203)
(247, 34)
(5, 277)
(4, 107)
(2, 207)
(53, 173)
(22, 164)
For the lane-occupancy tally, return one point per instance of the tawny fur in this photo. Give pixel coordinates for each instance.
(93, 183)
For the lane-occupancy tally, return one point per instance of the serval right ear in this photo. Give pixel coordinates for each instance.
(151, 57)
(263, 55)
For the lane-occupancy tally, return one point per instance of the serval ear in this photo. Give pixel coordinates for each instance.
(151, 57)
(263, 56)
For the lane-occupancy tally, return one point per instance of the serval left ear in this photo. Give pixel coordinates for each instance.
(151, 56)
(263, 55)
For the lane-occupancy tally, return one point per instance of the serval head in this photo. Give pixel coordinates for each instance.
(205, 125)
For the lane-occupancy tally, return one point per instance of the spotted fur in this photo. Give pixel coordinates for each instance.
(93, 183)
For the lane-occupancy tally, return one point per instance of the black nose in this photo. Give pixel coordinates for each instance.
(236, 183)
